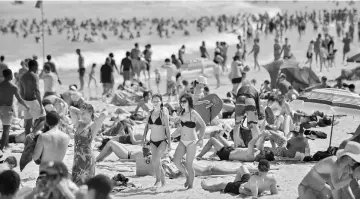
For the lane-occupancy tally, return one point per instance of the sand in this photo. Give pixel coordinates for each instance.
(289, 174)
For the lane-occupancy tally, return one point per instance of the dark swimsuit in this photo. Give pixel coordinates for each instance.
(190, 124)
(159, 123)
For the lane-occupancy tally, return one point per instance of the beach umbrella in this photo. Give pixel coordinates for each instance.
(338, 101)
(274, 68)
(354, 59)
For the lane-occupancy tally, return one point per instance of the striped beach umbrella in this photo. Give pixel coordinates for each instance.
(339, 101)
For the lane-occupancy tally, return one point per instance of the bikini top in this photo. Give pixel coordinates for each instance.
(157, 121)
(189, 124)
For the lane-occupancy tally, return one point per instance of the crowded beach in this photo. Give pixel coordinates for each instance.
(134, 127)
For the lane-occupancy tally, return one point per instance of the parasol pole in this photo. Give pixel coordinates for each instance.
(331, 132)
(43, 33)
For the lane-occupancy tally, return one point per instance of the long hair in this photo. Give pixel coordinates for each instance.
(189, 99)
(160, 97)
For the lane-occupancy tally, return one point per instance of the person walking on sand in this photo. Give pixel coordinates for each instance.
(181, 54)
(106, 77)
(188, 118)
(170, 78)
(52, 67)
(147, 56)
(126, 67)
(92, 75)
(203, 51)
(217, 73)
(50, 81)
(160, 138)
(235, 74)
(347, 40)
(309, 53)
(332, 176)
(86, 125)
(277, 50)
(135, 57)
(30, 92)
(317, 47)
(246, 183)
(256, 51)
(81, 69)
(286, 48)
(7, 92)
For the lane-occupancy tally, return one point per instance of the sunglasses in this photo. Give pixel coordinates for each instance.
(183, 101)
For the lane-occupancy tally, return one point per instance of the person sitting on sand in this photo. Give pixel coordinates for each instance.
(247, 184)
(122, 130)
(145, 104)
(52, 145)
(226, 152)
(332, 175)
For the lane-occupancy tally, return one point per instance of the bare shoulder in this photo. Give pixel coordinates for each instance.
(271, 178)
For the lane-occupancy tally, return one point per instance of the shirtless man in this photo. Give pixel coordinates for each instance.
(226, 152)
(51, 145)
(256, 51)
(7, 92)
(203, 52)
(81, 69)
(247, 184)
(135, 55)
(50, 81)
(286, 49)
(277, 50)
(3, 66)
(30, 92)
(144, 104)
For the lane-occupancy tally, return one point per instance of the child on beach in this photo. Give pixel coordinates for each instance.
(92, 75)
(309, 53)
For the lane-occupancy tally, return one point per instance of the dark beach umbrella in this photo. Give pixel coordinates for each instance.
(339, 100)
(274, 68)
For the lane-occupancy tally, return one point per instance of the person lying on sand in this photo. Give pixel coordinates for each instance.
(247, 184)
(123, 132)
(332, 175)
(226, 152)
(120, 151)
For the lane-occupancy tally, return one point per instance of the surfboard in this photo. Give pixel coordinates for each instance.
(196, 64)
(209, 111)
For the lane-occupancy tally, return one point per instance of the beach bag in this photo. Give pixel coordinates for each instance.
(144, 166)
(170, 169)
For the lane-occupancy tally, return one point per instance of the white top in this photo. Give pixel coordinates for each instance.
(170, 70)
(310, 48)
(50, 82)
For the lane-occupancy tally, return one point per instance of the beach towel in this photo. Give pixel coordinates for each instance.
(26, 156)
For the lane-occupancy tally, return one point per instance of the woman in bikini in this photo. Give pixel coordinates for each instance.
(119, 149)
(86, 126)
(187, 145)
(160, 139)
(330, 177)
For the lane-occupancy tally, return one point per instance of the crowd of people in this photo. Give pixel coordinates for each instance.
(261, 115)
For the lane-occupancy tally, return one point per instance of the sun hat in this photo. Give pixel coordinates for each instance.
(201, 80)
(352, 149)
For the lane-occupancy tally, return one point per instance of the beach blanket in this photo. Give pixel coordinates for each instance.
(26, 156)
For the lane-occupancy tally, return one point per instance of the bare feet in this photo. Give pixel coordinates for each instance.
(203, 184)
(186, 182)
(157, 184)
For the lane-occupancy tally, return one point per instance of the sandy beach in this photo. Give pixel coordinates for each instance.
(289, 173)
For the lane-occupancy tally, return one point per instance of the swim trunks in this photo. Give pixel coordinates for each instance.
(224, 152)
(6, 115)
(233, 187)
(236, 80)
(35, 110)
(82, 72)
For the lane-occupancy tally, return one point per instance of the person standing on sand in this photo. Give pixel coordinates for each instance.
(277, 50)
(170, 77)
(309, 53)
(176, 62)
(147, 55)
(331, 176)
(3, 66)
(50, 81)
(317, 47)
(286, 48)
(235, 74)
(246, 183)
(113, 65)
(30, 92)
(347, 40)
(135, 55)
(81, 69)
(188, 118)
(7, 92)
(106, 77)
(181, 54)
(86, 126)
(256, 50)
(126, 67)
(51, 145)
(92, 75)
(203, 52)
(223, 52)
(52, 67)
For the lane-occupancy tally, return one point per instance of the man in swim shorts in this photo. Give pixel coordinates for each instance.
(246, 183)
(30, 92)
(226, 152)
(7, 92)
